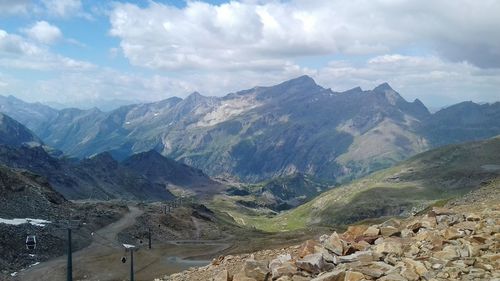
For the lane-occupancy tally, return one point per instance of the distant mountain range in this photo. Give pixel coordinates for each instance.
(264, 132)
(145, 176)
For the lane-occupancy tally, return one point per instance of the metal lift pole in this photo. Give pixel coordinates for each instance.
(131, 264)
(69, 276)
(149, 237)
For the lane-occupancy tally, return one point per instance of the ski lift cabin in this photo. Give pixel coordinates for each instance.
(30, 242)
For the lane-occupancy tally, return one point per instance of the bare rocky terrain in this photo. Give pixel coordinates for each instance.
(460, 241)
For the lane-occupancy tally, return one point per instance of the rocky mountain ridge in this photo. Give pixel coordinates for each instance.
(264, 132)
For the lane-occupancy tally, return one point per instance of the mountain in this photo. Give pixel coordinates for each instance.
(264, 132)
(145, 176)
(432, 177)
(168, 172)
(98, 177)
(104, 105)
(15, 134)
(34, 116)
(462, 122)
(103, 172)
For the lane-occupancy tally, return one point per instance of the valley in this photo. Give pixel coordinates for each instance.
(249, 140)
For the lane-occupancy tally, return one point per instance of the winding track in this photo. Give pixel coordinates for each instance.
(101, 259)
(98, 250)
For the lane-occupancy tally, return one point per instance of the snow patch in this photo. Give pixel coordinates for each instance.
(128, 246)
(35, 222)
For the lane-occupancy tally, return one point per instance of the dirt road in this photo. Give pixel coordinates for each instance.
(102, 259)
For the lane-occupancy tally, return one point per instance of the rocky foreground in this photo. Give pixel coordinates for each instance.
(452, 243)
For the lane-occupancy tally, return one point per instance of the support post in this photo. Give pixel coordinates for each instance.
(69, 276)
(131, 264)
(149, 237)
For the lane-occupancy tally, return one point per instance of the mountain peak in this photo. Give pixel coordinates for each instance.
(194, 98)
(383, 87)
(195, 95)
(304, 79)
(303, 82)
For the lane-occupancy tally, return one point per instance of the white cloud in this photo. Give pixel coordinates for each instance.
(107, 84)
(433, 80)
(442, 52)
(15, 44)
(18, 52)
(44, 32)
(244, 35)
(64, 8)
(10, 7)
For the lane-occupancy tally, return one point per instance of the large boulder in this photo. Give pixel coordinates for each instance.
(313, 263)
(334, 244)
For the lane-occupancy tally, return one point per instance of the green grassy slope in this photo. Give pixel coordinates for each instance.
(425, 179)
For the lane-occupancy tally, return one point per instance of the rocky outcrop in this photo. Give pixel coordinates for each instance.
(444, 244)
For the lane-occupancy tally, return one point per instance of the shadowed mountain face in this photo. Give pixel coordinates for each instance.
(98, 177)
(15, 134)
(168, 172)
(294, 127)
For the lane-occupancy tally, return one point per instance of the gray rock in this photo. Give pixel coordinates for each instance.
(313, 263)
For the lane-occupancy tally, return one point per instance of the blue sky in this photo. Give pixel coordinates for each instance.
(82, 53)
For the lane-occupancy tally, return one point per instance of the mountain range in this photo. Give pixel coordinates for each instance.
(145, 176)
(264, 132)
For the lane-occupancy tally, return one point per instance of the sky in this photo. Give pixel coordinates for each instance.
(82, 52)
